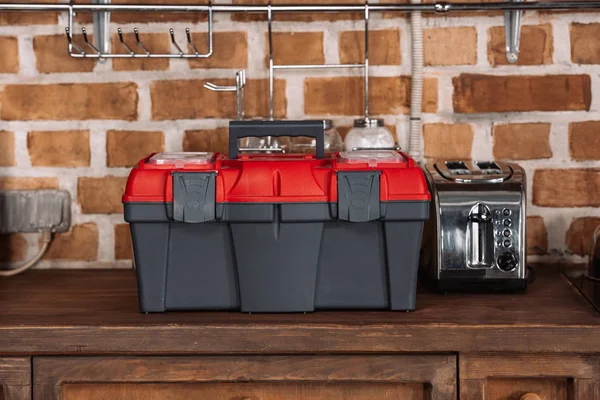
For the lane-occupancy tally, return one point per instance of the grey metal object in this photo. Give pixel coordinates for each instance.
(240, 84)
(273, 67)
(29, 211)
(102, 8)
(368, 123)
(439, 7)
(480, 172)
(512, 29)
(101, 29)
(476, 231)
(480, 237)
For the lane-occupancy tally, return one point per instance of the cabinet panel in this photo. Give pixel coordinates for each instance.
(246, 377)
(15, 378)
(514, 389)
(246, 391)
(531, 377)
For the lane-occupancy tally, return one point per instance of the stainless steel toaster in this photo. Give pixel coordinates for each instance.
(475, 235)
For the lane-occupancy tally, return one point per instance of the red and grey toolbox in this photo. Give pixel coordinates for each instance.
(276, 232)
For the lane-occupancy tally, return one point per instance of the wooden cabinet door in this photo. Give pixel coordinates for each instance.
(383, 377)
(529, 377)
(15, 378)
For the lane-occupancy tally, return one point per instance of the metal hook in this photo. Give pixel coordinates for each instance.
(240, 83)
(72, 43)
(172, 32)
(189, 40)
(217, 88)
(120, 32)
(512, 29)
(139, 42)
(91, 46)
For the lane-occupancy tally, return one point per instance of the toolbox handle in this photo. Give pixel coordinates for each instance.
(306, 128)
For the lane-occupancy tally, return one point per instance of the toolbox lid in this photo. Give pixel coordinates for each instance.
(371, 157)
(182, 158)
(276, 178)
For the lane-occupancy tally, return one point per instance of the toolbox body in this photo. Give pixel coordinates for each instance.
(277, 233)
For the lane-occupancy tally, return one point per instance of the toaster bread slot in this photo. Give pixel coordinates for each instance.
(457, 168)
(488, 167)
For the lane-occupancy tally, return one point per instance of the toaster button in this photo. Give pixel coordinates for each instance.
(507, 233)
(507, 261)
(507, 222)
(507, 243)
(506, 212)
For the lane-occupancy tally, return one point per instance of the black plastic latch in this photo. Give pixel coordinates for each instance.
(194, 196)
(358, 196)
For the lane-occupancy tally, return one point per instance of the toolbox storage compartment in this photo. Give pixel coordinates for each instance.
(276, 233)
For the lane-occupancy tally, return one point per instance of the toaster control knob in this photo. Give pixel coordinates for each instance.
(507, 261)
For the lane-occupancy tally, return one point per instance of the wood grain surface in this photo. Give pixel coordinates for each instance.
(246, 377)
(96, 311)
(511, 376)
(15, 378)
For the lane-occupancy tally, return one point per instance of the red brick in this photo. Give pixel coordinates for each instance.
(303, 16)
(158, 43)
(7, 149)
(537, 235)
(522, 141)
(384, 47)
(188, 99)
(147, 17)
(70, 101)
(80, 243)
(448, 140)
(9, 48)
(296, 48)
(27, 183)
(536, 45)
(59, 148)
(127, 148)
(487, 93)
(585, 47)
(579, 235)
(584, 140)
(566, 188)
(28, 18)
(51, 55)
(13, 247)
(450, 46)
(101, 195)
(345, 95)
(123, 249)
(230, 50)
(215, 140)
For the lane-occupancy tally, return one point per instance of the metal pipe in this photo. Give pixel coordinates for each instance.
(317, 66)
(271, 65)
(439, 7)
(366, 63)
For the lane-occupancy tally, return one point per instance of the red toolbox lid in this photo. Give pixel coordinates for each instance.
(278, 178)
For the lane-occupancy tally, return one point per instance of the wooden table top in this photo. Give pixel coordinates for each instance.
(96, 312)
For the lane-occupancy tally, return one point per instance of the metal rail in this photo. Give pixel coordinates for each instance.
(438, 7)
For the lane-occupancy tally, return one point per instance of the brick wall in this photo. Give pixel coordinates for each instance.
(80, 125)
